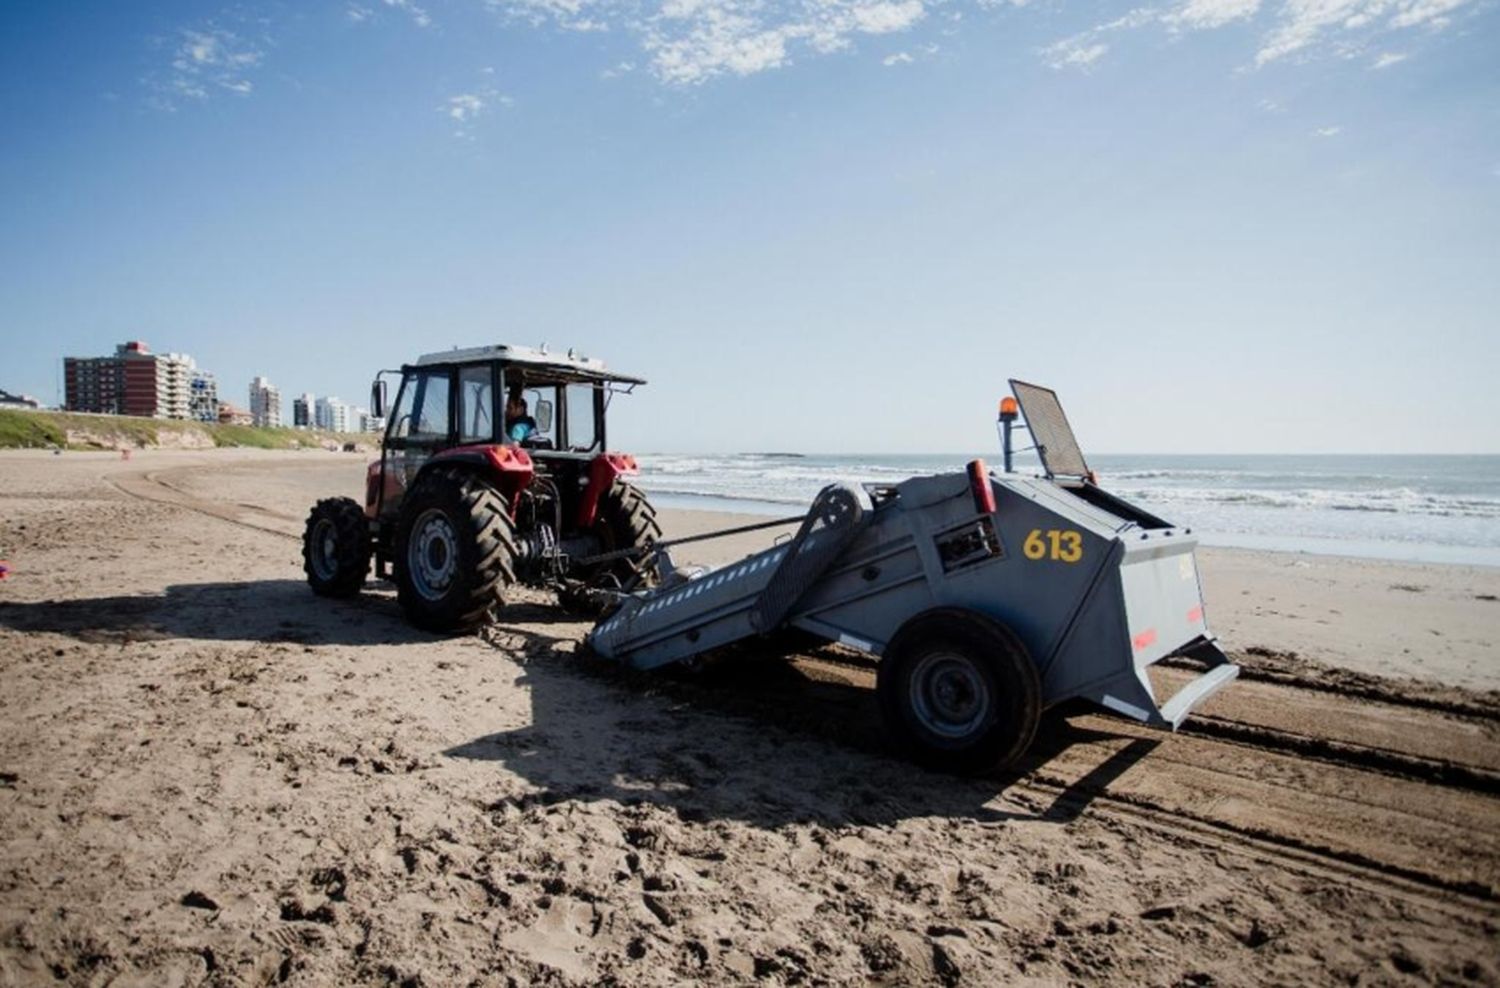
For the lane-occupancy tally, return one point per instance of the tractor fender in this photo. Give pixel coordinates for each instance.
(603, 471)
(373, 474)
(508, 468)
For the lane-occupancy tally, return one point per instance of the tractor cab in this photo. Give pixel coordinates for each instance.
(494, 471)
(546, 411)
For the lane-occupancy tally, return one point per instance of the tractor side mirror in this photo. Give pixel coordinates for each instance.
(543, 416)
(377, 398)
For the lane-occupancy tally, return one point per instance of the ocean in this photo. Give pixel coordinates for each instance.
(1438, 509)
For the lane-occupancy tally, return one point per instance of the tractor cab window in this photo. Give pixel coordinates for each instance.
(476, 403)
(400, 412)
(429, 411)
(581, 435)
(529, 414)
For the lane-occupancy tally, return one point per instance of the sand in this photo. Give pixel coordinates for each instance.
(209, 776)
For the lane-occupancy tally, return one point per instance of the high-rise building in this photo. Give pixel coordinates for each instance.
(265, 403)
(302, 411)
(93, 384)
(361, 420)
(134, 381)
(332, 414)
(203, 397)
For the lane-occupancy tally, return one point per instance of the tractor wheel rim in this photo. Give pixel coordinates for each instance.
(950, 697)
(325, 549)
(432, 554)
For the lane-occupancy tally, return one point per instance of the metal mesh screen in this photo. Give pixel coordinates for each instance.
(1055, 442)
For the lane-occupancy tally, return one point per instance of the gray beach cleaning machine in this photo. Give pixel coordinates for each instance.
(983, 598)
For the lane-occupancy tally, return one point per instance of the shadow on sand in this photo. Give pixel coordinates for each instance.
(255, 610)
(756, 738)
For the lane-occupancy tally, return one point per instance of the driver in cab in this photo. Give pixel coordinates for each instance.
(519, 426)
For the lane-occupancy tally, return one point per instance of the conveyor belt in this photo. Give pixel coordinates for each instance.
(721, 606)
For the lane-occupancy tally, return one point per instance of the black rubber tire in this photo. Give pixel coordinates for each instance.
(625, 520)
(484, 543)
(986, 655)
(336, 547)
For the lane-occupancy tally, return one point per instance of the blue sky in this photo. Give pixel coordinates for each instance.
(1212, 225)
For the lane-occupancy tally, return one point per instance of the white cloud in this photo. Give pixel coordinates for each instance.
(883, 18)
(1084, 48)
(1307, 22)
(465, 109)
(465, 106)
(1343, 28)
(571, 15)
(1063, 55)
(1415, 12)
(1328, 131)
(206, 62)
(419, 16)
(686, 42)
(691, 41)
(1202, 14)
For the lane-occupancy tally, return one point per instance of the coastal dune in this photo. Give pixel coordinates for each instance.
(208, 775)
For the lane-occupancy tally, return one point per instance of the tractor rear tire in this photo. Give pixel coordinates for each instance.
(625, 520)
(455, 551)
(959, 692)
(336, 547)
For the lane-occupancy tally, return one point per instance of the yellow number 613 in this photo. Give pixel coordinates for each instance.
(1066, 546)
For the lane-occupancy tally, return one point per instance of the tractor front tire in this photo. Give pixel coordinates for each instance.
(336, 547)
(455, 551)
(959, 692)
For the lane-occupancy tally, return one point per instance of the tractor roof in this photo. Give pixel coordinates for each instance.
(572, 363)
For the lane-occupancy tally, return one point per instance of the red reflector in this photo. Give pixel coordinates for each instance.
(1145, 639)
(1195, 615)
(979, 483)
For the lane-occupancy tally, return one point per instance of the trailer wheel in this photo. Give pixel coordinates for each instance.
(455, 551)
(959, 692)
(336, 547)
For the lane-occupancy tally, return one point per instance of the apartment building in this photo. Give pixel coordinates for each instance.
(265, 403)
(203, 397)
(332, 414)
(134, 381)
(303, 408)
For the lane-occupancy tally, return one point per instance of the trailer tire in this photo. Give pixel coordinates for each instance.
(336, 547)
(455, 551)
(959, 692)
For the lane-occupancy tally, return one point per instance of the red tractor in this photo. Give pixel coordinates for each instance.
(494, 472)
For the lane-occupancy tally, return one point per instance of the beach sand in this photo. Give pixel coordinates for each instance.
(209, 776)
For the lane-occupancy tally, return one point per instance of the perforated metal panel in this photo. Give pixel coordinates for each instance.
(1055, 442)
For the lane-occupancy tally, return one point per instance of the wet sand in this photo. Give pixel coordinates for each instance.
(209, 776)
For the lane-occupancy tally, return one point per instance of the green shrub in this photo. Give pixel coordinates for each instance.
(29, 430)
